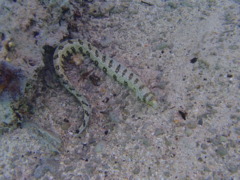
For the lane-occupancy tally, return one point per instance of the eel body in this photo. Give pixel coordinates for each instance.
(111, 67)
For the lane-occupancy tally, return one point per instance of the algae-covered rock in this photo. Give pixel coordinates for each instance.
(8, 120)
(12, 85)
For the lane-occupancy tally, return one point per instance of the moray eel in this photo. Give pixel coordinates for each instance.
(109, 66)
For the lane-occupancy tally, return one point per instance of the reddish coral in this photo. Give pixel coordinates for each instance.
(12, 81)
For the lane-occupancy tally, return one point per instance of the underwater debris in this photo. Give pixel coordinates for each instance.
(12, 82)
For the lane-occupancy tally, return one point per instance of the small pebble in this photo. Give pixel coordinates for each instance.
(100, 146)
(159, 131)
(204, 146)
(221, 151)
(232, 168)
(136, 170)
(188, 132)
(192, 125)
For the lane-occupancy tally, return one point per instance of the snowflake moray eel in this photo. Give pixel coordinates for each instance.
(111, 67)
